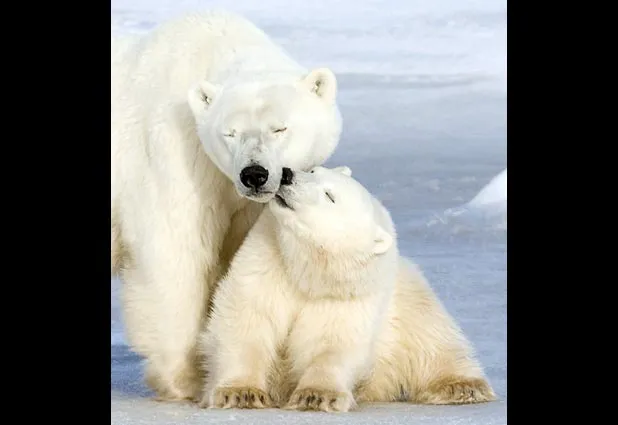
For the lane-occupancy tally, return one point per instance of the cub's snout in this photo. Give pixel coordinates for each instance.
(287, 177)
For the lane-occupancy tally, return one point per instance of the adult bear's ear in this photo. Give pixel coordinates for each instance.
(382, 241)
(323, 83)
(346, 171)
(201, 96)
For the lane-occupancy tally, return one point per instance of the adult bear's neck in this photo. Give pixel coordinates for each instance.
(255, 63)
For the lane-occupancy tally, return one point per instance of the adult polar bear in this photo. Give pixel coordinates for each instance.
(206, 113)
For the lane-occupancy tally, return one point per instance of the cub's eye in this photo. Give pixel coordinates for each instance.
(279, 130)
(230, 133)
(330, 197)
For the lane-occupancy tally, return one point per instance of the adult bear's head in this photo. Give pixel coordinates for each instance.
(253, 130)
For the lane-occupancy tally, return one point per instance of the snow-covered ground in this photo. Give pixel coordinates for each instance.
(423, 95)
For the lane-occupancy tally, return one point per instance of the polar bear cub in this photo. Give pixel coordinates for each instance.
(318, 311)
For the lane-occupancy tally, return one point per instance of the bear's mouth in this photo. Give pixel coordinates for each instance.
(281, 202)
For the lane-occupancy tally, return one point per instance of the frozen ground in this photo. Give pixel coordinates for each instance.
(423, 94)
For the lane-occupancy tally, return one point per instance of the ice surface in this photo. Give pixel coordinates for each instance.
(423, 96)
(493, 193)
(487, 209)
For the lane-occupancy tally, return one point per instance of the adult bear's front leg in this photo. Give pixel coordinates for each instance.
(165, 297)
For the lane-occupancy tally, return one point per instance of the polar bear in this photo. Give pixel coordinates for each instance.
(207, 112)
(319, 311)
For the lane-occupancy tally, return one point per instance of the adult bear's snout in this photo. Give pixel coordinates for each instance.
(254, 176)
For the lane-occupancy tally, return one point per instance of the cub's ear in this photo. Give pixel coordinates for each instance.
(343, 170)
(382, 242)
(323, 83)
(201, 96)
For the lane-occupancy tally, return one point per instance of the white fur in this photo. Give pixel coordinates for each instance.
(318, 310)
(179, 211)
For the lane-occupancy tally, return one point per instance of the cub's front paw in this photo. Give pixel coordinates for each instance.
(324, 400)
(238, 397)
(457, 390)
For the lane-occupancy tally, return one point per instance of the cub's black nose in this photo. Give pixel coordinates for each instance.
(254, 176)
(287, 177)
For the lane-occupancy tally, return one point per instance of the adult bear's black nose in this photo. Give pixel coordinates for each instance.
(254, 176)
(287, 177)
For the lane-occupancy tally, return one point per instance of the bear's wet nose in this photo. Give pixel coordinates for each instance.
(253, 176)
(287, 177)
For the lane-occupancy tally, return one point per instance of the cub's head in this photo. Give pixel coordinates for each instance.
(331, 211)
(253, 130)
